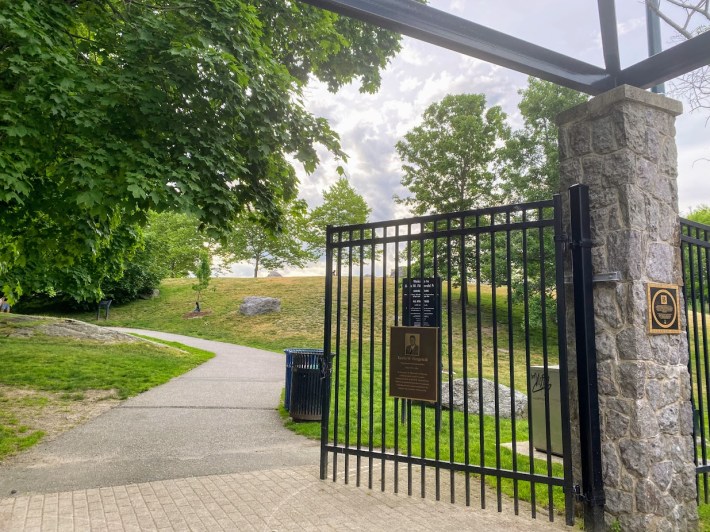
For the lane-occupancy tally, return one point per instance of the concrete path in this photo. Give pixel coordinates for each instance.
(218, 418)
(207, 451)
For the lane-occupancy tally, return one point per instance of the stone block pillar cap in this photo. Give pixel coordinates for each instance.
(600, 105)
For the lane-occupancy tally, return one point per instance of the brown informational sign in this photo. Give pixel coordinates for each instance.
(414, 363)
(663, 308)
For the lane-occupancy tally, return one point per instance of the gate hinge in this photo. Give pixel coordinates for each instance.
(564, 239)
(584, 243)
(577, 489)
(594, 500)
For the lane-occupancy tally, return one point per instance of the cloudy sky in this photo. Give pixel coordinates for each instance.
(370, 125)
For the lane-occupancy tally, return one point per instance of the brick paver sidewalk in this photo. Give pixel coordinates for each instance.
(276, 499)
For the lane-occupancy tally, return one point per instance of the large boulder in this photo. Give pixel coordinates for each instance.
(504, 398)
(255, 305)
(274, 273)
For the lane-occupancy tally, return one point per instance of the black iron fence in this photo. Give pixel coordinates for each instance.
(490, 282)
(695, 254)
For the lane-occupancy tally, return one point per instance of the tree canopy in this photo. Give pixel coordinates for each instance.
(176, 242)
(700, 214)
(342, 205)
(531, 170)
(110, 109)
(449, 159)
(250, 240)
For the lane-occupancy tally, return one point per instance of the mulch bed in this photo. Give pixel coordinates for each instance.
(193, 315)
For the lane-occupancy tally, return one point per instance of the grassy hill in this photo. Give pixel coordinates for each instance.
(299, 324)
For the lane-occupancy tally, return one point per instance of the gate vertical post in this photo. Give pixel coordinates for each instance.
(622, 145)
(585, 343)
(325, 407)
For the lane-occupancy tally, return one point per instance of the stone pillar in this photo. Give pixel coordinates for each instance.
(621, 144)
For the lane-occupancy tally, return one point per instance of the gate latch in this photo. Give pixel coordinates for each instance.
(578, 493)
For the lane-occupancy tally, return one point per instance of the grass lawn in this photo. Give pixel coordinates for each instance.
(40, 372)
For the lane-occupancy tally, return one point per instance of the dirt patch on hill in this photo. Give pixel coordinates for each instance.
(53, 413)
(26, 411)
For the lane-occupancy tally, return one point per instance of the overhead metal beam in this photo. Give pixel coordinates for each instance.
(671, 63)
(610, 36)
(420, 21)
(653, 34)
(437, 27)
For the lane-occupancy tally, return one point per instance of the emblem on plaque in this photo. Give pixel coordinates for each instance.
(663, 308)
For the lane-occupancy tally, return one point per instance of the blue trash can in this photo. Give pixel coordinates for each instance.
(311, 359)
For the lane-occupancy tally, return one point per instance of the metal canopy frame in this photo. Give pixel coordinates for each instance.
(420, 21)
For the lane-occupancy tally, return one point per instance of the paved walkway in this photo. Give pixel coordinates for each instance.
(207, 451)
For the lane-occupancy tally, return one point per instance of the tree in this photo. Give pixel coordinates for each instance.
(448, 164)
(203, 274)
(140, 276)
(687, 18)
(342, 205)
(112, 108)
(531, 158)
(176, 242)
(700, 214)
(249, 239)
(448, 160)
(530, 172)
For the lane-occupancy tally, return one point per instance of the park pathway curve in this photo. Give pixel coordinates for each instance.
(216, 419)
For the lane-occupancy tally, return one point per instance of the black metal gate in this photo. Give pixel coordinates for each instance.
(695, 256)
(499, 276)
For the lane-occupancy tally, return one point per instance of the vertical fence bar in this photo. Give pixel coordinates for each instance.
(496, 376)
(686, 247)
(450, 355)
(562, 350)
(338, 317)
(325, 407)
(383, 418)
(463, 298)
(439, 366)
(479, 356)
(511, 357)
(371, 401)
(705, 342)
(592, 484)
(348, 352)
(408, 403)
(545, 360)
(395, 411)
(526, 323)
(422, 404)
(702, 331)
(359, 354)
(698, 369)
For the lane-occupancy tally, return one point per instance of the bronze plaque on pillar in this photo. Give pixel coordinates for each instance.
(414, 363)
(663, 308)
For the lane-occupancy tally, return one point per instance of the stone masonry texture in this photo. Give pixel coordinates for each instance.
(622, 145)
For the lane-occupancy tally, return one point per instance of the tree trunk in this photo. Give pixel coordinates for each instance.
(256, 268)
